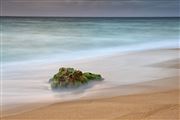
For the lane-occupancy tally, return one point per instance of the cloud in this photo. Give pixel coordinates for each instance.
(96, 2)
(91, 7)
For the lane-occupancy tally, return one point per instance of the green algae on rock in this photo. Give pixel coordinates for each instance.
(69, 77)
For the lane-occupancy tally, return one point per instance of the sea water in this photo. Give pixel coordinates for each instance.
(27, 42)
(33, 39)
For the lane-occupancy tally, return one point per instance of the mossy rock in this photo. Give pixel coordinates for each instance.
(69, 77)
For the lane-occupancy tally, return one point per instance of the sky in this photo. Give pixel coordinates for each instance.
(91, 8)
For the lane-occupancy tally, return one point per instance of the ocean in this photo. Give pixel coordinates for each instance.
(26, 39)
(33, 49)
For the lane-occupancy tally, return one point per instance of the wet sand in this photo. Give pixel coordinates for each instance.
(151, 106)
(154, 99)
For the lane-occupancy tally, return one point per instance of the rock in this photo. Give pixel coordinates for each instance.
(69, 77)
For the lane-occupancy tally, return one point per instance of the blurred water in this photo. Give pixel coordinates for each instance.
(26, 39)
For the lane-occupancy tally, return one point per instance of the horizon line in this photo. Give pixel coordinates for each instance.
(100, 16)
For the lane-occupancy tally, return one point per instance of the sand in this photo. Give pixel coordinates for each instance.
(155, 95)
(152, 106)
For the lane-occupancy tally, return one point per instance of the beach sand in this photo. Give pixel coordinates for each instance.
(152, 106)
(156, 98)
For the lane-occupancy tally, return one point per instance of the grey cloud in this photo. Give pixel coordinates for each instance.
(90, 7)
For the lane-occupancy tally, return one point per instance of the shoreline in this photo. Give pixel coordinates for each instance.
(165, 79)
(112, 108)
(123, 50)
(149, 87)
